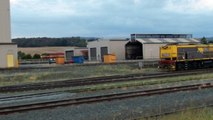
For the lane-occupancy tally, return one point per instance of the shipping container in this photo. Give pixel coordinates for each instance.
(78, 59)
(110, 58)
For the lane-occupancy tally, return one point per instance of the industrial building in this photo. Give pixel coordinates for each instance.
(8, 50)
(146, 46)
(98, 48)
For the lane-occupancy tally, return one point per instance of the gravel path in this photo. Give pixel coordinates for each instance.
(119, 109)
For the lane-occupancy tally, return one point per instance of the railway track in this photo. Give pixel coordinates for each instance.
(97, 80)
(146, 64)
(100, 98)
(27, 96)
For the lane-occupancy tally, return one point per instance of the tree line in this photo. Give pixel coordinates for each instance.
(45, 41)
(22, 55)
(205, 40)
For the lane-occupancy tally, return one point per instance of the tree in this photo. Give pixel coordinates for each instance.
(21, 55)
(204, 41)
(28, 56)
(36, 56)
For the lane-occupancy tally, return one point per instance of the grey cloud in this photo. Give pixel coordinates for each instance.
(105, 18)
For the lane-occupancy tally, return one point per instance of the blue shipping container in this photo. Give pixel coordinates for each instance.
(78, 59)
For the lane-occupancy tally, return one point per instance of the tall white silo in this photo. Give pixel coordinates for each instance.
(8, 50)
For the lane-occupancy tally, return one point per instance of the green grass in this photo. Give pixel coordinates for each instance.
(92, 71)
(201, 114)
(138, 83)
(146, 82)
(55, 74)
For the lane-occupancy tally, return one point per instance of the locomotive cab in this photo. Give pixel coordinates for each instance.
(168, 56)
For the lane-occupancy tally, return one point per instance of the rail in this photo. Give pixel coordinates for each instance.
(101, 98)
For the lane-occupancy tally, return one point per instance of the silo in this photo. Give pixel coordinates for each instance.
(8, 50)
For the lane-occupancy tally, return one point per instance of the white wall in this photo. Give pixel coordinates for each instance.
(151, 51)
(9, 49)
(97, 44)
(116, 47)
(77, 51)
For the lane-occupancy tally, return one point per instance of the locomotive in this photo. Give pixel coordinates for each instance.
(186, 56)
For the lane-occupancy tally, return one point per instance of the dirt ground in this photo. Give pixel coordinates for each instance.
(41, 50)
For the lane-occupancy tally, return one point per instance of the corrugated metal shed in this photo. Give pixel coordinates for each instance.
(148, 48)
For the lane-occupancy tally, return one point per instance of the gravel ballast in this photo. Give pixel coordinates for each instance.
(119, 109)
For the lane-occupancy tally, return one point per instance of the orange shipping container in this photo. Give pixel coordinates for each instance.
(110, 58)
(59, 60)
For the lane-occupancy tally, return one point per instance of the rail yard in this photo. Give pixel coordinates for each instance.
(144, 93)
(148, 76)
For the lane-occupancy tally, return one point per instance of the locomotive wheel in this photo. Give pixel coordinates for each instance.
(180, 66)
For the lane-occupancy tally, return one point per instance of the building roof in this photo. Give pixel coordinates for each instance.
(167, 40)
(108, 40)
(119, 39)
(52, 55)
(8, 44)
(135, 36)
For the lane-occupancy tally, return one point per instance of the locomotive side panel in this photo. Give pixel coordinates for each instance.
(189, 53)
(184, 57)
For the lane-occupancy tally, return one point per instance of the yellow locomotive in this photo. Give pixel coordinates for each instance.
(186, 57)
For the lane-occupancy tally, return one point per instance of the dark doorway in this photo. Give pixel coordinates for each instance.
(104, 51)
(134, 50)
(93, 53)
(69, 55)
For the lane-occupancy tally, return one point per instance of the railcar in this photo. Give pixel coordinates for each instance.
(186, 57)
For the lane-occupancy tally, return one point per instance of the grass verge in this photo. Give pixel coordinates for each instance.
(199, 114)
(138, 83)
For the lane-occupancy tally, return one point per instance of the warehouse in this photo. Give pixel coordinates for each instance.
(146, 46)
(98, 48)
(8, 50)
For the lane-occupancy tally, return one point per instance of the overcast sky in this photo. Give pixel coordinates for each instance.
(110, 18)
